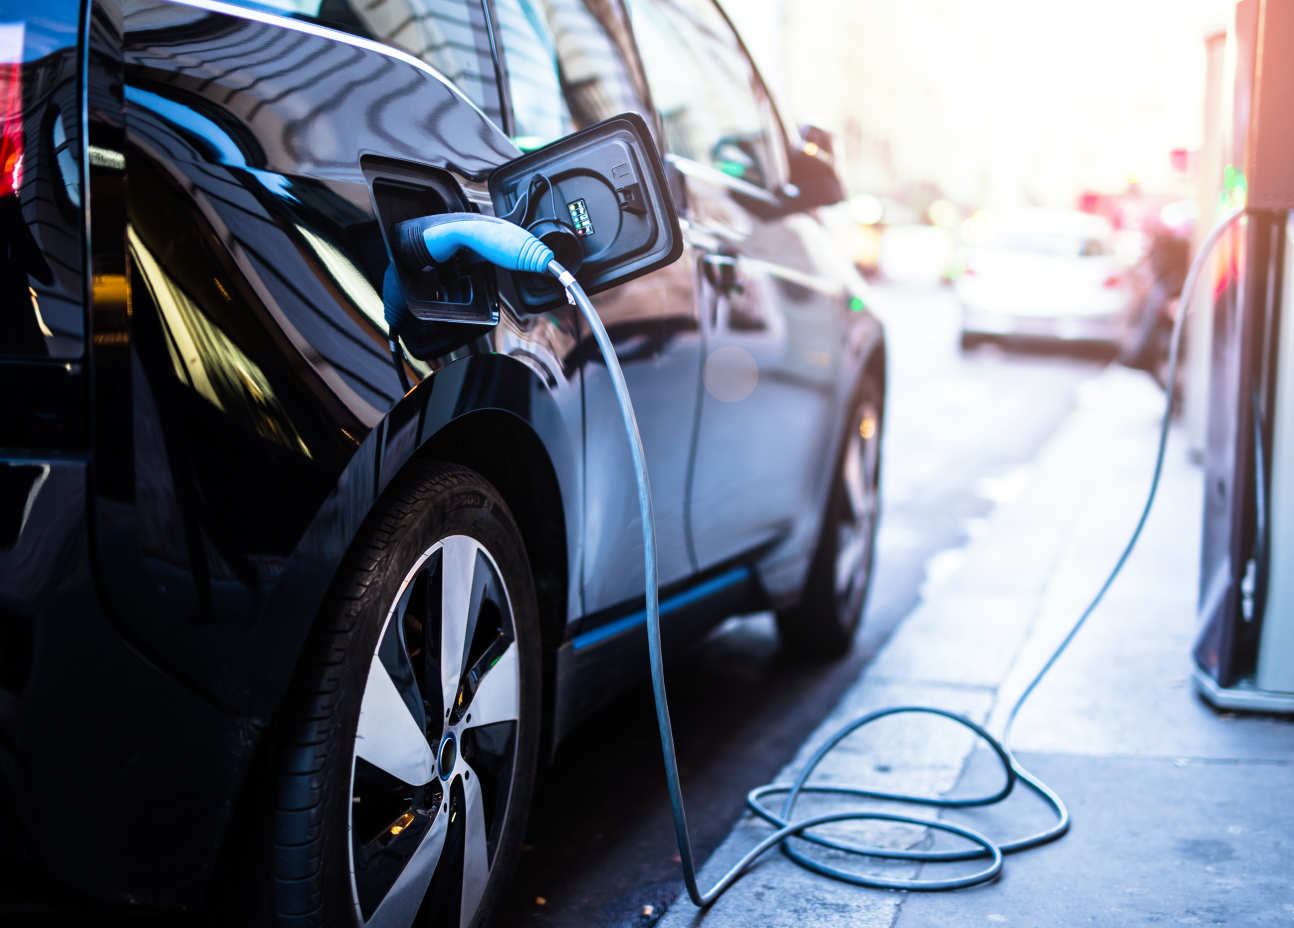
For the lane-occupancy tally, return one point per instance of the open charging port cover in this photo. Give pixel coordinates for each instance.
(606, 185)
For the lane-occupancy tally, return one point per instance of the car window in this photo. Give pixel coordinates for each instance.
(712, 105)
(450, 35)
(568, 64)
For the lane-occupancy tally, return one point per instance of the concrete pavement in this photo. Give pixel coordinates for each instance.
(1181, 815)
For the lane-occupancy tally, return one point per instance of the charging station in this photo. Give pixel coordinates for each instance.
(1245, 650)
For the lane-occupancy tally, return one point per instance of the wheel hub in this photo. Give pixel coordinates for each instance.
(447, 756)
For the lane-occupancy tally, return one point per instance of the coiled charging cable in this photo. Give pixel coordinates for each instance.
(983, 846)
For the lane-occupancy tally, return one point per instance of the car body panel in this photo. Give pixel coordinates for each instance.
(256, 263)
(775, 326)
(652, 322)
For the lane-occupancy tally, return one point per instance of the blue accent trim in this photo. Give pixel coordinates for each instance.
(677, 601)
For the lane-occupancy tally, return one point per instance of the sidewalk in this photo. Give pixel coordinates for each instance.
(1181, 815)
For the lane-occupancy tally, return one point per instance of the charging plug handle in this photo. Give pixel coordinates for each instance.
(429, 240)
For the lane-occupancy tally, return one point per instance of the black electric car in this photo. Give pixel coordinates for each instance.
(296, 594)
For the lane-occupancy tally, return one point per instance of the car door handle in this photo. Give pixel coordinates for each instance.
(721, 272)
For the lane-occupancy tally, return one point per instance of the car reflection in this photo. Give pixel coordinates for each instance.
(208, 361)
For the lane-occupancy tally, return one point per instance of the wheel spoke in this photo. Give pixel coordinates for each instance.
(400, 906)
(853, 478)
(872, 453)
(394, 653)
(496, 698)
(388, 736)
(476, 862)
(458, 577)
(420, 626)
(849, 558)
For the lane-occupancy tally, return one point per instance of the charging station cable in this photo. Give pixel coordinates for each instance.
(436, 239)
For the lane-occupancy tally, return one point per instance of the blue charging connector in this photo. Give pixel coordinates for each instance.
(435, 239)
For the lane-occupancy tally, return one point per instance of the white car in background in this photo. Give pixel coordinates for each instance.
(1043, 274)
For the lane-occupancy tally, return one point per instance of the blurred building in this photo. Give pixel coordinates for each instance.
(1000, 102)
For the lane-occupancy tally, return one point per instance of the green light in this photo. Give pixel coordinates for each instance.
(857, 304)
(1235, 187)
(529, 142)
(732, 168)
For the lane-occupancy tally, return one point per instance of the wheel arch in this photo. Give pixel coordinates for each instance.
(489, 412)
(874, 364)
(490, 442)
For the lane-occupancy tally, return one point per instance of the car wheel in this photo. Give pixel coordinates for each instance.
(823, 623)
(404, 788)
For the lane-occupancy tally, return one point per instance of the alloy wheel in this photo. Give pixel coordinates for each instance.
(436, 743)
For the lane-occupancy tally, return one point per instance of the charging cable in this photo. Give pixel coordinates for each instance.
(437, 238)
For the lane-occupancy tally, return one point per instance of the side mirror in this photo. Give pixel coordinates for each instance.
(599, 199)
(813, 171)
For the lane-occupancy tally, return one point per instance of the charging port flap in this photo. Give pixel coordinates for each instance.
(599, 199)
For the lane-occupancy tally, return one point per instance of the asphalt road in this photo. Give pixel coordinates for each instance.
(959, 431)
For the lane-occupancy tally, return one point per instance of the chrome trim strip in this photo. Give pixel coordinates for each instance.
(824, 285)
(344, 38)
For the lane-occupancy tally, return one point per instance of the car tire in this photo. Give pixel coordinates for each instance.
(406, 774)
(823, 623)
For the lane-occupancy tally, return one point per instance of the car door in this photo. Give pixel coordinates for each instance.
(570, 63)
(772, 300)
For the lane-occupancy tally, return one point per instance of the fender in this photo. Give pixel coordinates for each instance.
(469, 386)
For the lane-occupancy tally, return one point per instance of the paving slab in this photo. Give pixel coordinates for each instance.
(1153, 843)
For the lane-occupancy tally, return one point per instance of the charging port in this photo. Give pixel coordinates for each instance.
(457, 291)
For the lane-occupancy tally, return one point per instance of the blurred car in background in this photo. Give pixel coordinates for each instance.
(888, 238)
(1043, 274)
(868, 218)
(918, 254)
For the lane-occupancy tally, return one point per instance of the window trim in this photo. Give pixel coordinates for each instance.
(779, 123)
(270, 18)
(501, 79)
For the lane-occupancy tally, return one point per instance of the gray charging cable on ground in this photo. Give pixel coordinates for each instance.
(520, 255)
